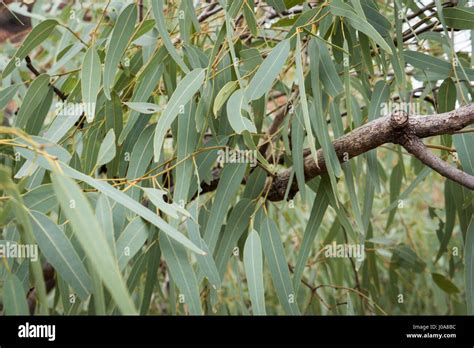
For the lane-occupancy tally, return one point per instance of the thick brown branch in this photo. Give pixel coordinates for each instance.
(372, 135)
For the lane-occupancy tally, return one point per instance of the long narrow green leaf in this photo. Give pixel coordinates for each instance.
(268, 71)
(182, 272)
(146, 84)
(104, 215)
(91, 78)
(339, 8)
(237, 223)
(88, 232)
(39, 33)
(316, 217)
(14, 297)
(238, 122)
(7, 94)
(121, 35)
(187, 141)
(36, 94)
(107, 149)
(60, 253)
(231, 177)
(157, 7)
(10, 189)
(181, 96)
(206, 262)
(275, 255)
(253, 263)
(131, 240)
(304, 101)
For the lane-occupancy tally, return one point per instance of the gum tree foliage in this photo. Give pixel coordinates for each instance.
(239, 157)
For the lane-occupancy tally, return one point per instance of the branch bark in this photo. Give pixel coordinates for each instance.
(416, 147)
(389, 129)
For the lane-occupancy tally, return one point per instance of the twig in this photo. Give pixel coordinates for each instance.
(30, 66)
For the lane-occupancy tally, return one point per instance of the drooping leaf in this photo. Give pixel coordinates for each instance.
(116, 195)
(107, 149)
(235, 105)
(131, 240)
(229, 183)
(157, 8)
(119, 39)
(237, 223)
(267, 72)
(181, 96)
(206, 262)
(104, 215)
(447, 96)
(253, 262)
(444, 283)
(39, 33)
(316, 217)
(183, 274)
(223, 95)
(275, 255)
(146, 84)
(14, 297)
(34, 97)
(304, 102)
(144, 108)
(7, 94)
(459, 17)
(60, 253)
(339, 8)
(88, 232)
(91, 78)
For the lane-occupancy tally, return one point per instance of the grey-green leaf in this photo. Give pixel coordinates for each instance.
(182, 272)
(181, 96)
(59, 252)
(131, 240)
(253, 263)
(88, 232)
(239, 122)
(459, 17)
(144, 108)
(39, 33)
(91, 78)
(121, 35)
(229, 183)
(14, 296)
(275, 255)
(339, 8)
(107, 149)
(7, 94)
(223, 95)
(267, 72)
(157, 7)
(35, 95)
